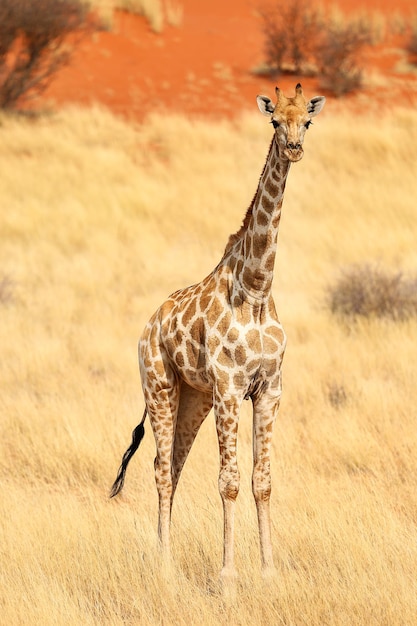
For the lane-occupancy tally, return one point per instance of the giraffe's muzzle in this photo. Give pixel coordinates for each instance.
(294, 151)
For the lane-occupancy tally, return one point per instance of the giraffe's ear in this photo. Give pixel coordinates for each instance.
(265, 105)
(315, 105)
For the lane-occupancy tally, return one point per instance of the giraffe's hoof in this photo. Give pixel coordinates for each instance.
(228, 583)
(269, 573)
(228, 573)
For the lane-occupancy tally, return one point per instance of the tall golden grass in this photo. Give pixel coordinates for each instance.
(100, 221)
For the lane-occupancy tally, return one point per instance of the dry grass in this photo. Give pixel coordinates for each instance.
(157, 12)
(102, 220)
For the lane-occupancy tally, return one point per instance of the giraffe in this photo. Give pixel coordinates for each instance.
(218, 342)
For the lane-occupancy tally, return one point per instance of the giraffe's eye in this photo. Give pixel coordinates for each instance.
(274, 123)
(307, 124)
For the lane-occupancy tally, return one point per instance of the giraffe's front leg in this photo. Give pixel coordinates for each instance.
(227, 417)
(265, 409)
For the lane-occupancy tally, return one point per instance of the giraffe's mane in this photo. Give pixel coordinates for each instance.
(239, 234)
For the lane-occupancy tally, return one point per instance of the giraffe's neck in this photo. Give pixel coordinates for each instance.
(255, 245)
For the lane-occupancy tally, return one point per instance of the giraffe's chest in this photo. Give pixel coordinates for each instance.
(233, 349)
(247, 356)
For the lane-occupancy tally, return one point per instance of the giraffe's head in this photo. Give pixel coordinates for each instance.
(290, 118)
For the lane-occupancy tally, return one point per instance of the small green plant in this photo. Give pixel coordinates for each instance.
(368, 291)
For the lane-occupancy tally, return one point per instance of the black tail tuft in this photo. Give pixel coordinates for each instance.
(137, 437)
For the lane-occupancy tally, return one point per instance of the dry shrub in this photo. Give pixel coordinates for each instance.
(367, 291)
(338, 55)
(291, 32)
(34, 44)
(302, 39)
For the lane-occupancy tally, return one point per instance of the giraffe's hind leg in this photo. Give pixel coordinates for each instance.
(162, 401)
(194, 407)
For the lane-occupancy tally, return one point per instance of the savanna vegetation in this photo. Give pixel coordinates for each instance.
(35, 44)
(310, 39)
(97, 228)
(38, 37)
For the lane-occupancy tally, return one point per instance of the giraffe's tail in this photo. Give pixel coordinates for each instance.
(137, 437)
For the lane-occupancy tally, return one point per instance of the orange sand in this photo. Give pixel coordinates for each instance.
(204, 66)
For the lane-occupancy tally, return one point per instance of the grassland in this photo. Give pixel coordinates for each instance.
(102, 219)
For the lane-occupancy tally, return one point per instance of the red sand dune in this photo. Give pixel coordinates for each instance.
(204, 66)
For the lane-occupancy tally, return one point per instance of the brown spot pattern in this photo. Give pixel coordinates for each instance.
(271, 188)
(189, 312)
(267, 204)
(253, 338)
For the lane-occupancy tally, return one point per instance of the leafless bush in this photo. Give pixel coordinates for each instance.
(34, 44)
(338, 56)
(366, 291)
(291, 32)
(302, 39)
